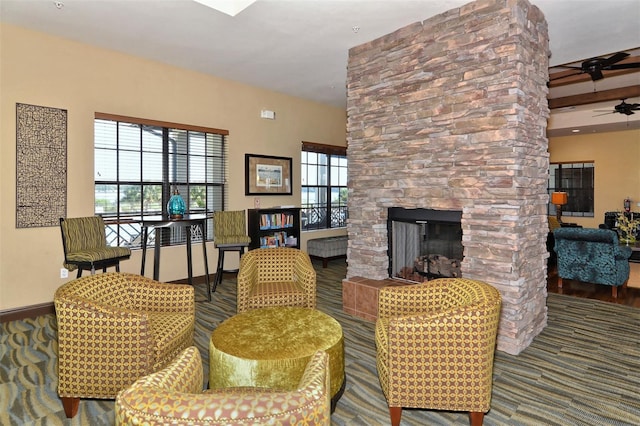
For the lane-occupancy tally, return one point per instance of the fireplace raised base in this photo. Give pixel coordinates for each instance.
(360, 295)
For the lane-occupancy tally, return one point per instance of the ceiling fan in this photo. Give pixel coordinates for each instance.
(595, 66)
(622, 108)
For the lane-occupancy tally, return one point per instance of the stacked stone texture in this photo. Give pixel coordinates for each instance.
(451, 114)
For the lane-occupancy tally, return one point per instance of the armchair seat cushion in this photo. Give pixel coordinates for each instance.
(280, 293)
(94, 255)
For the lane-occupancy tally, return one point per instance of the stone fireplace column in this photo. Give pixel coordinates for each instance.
(451, 114)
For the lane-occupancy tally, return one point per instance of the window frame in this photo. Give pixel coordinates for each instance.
(206, 146)
(581, 197)
(331, 179)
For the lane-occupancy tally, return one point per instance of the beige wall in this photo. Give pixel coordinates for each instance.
(42, 70)
(617, 168)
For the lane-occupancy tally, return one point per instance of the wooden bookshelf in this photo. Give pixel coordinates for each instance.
(274, 227)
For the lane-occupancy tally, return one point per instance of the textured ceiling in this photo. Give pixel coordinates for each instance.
(297, 47)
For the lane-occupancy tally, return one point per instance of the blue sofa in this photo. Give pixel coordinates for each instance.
(592, 256)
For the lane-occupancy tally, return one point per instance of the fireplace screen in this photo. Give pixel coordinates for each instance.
(424, 243)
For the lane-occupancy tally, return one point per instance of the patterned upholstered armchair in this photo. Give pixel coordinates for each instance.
(593, 256)
(280, 276)
(85, 245)
(435, 345)
(114, 328)
(174, 396)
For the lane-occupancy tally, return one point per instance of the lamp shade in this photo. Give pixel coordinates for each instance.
(559, 198)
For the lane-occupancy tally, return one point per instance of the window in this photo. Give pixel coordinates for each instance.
(138, 165)
(577, 180)
(324, 186)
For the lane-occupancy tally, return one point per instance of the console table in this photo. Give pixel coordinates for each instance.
(635, 252)
(634, 265)
(161, 222)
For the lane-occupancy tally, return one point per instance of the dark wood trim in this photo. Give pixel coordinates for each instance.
(148, 122)
(49, 308)
(571, 76)
(27, 312)
(591, 98)
(324, 148)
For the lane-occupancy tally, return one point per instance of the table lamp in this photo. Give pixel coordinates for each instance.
(559, 199)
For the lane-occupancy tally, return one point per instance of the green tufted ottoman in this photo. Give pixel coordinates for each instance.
(270, 347)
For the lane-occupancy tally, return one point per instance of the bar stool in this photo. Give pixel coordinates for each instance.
(230, 235)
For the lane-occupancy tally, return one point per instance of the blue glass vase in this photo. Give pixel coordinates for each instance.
(176, 206)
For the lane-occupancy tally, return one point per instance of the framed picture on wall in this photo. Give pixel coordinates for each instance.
(267, 175)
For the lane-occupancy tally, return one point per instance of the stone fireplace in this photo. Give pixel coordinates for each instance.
(450, 114)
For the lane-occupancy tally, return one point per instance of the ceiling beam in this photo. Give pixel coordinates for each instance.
(572, 76)
(594, 97)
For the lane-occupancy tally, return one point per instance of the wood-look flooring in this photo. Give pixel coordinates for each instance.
(572, 288)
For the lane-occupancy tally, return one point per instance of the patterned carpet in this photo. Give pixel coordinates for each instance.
(583, 369)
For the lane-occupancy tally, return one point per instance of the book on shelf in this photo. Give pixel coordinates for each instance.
(278, 239)
(275, 220)
(268, 242)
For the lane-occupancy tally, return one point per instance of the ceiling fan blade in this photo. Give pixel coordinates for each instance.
(616, 57)
(569, 67)
(622, 66)
(565, 76)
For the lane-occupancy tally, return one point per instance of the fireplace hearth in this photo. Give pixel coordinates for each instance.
(424, 243)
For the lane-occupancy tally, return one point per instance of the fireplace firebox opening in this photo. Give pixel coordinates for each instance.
(424, 243)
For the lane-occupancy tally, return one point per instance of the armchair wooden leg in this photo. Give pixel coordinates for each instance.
(476, 418)
(614, 291)
(70, 406)
(396, 414)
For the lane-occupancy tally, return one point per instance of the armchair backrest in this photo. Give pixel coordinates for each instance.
(229, 227)
(180, 385)
(590, 255)
(276, 264)
(82, 233)
(108, 289)
(122, 290)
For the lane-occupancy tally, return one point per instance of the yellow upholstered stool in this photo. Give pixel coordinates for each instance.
(270, 347)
